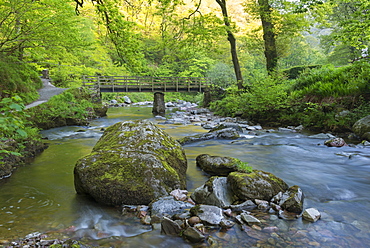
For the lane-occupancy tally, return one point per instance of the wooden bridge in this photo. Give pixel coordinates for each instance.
(146, 84)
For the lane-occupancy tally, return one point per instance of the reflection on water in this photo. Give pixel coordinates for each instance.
(41, 196)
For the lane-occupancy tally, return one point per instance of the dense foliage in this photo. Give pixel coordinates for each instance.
(325, 98)
(72, 107)
(16, 131)
(17, 78)
(286, 51)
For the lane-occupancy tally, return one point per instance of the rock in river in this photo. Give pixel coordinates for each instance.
(311, 214)
(255, 185)
(133, 163)
(216, 165)
(215, 192)
(292, 200)
(336, 142)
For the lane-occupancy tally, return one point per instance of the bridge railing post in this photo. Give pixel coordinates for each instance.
(98, 82)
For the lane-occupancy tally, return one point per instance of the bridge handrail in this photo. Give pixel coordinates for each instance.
(145, 83)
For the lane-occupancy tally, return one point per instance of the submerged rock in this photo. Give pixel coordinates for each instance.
(134, 162)
(255, 185)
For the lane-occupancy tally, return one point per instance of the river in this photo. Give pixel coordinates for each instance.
(40, 197)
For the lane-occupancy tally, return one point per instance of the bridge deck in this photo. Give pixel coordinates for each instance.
(146, 84)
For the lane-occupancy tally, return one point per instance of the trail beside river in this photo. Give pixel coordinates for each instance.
(46, 92)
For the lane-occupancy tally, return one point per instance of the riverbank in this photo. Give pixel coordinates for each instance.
(293, 156)
(55, 107)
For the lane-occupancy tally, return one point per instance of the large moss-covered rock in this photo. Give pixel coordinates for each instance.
(255, 185)
(134, 162)
(362, 126)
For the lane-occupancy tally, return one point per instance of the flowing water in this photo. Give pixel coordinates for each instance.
(40, 197)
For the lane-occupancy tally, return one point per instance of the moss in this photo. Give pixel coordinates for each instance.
(194, 211)
(256, 185)
(242, 166)
(137, 158)
(209, 183)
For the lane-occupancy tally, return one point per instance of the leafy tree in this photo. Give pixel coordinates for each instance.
(37, 24)
(280, 23)
(221, 74)
(349, 24)
(353, 21)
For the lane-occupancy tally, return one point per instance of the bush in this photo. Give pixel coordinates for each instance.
(267, 97)
(321, 99)
(72, 107)
(294, 72)
(329, 81)
(14, 127)
(222, 75)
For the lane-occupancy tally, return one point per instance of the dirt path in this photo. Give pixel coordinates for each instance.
(46, 93)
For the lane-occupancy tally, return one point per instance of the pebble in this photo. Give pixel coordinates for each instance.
(193, 220)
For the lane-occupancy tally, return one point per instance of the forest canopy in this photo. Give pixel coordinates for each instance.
(241, 45)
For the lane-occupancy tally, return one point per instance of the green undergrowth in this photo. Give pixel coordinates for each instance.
(72, 107)
(321, 99)
(17, 78)
(16, 133)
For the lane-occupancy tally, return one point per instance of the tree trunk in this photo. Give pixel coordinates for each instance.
(232, 41)
(268, 35)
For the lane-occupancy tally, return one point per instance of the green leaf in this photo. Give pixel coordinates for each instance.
(16, 106)
(22, 133)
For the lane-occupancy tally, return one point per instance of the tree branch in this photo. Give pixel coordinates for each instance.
(195, 11)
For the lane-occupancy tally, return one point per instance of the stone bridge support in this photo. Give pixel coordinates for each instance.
(159, 107)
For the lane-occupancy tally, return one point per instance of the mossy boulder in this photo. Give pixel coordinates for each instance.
(134, 162)
(361, 127)
(255, 185)
(220, 166)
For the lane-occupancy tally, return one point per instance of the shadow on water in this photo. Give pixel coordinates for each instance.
(41, 196)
